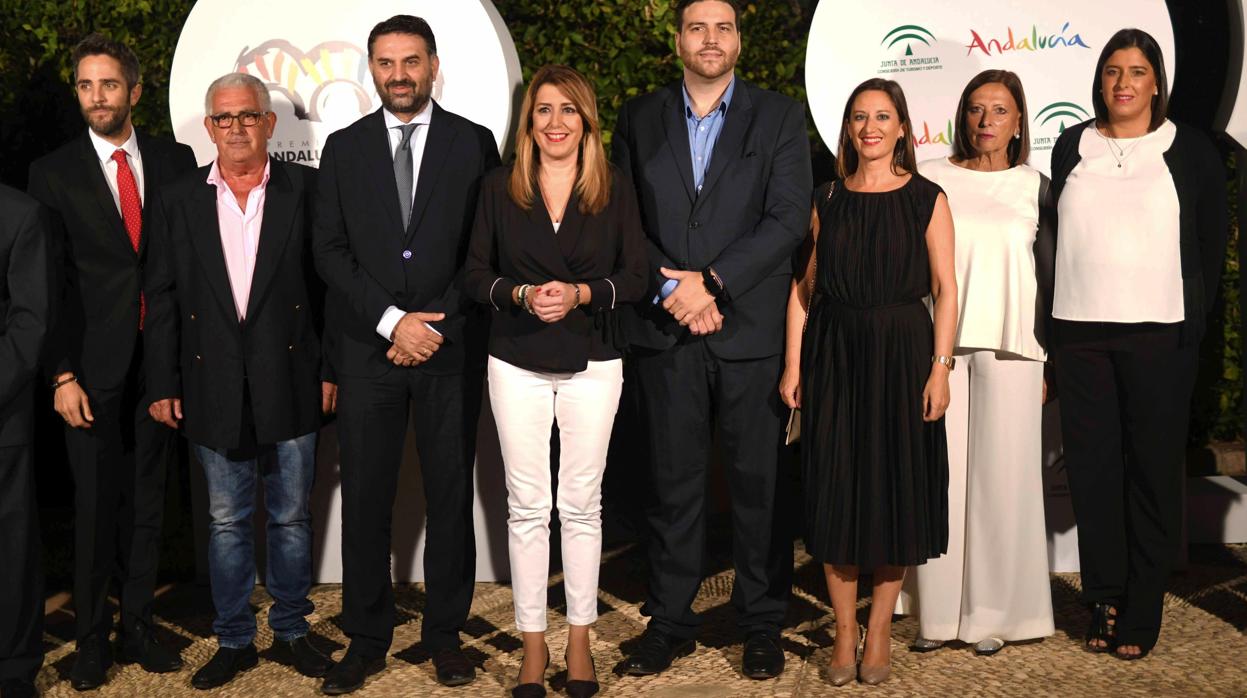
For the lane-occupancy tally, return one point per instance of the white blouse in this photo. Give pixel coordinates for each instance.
(995, 221)
(1118, 255)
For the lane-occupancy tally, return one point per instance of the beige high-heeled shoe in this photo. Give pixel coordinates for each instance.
(874, 675)
(842, 675)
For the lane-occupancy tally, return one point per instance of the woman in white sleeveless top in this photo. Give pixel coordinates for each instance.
(992, 586)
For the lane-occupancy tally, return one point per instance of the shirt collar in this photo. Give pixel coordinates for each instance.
(104, 150)
(424, 116)
(215, 179)
(724, 103)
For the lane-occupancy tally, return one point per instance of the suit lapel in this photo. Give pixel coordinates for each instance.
(731, 138)
(436, 149)
(676, 127)
(99, 190)
(279, 210)
(153, 172)
(375, 147)
(206, 238)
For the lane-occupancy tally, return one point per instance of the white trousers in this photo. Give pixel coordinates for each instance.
(525, 405)
(993, 581)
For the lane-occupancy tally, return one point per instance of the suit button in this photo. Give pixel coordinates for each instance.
(694, 225)
(290, 348)
(198, 357)
(406, 254)
(192, 316)
(297, 307)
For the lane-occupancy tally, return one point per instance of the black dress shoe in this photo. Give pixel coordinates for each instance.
(301, 654)
(90, 665)
(763, 658)
(139, 646)
(18, 688)
(453, 667)
(227, 663)
(348, 675)
(655, 652)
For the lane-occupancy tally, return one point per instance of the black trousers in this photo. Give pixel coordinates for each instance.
(1125, 394)
(21, 574)
(683, 393)
(372, 425)
(119, 467)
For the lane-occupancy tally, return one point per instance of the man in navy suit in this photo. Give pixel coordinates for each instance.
(722, 174)
(398, 192)
(96, 188)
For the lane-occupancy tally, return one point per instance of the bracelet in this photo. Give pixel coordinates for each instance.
(67, 381)
(948, 361)
(577, 287)
(524, 303)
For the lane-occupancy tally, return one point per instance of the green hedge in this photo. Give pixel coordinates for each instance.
(626, 46)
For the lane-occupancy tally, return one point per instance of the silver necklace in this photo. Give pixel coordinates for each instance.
(1115, 149)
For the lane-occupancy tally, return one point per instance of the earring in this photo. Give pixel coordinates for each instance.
(1017, 135)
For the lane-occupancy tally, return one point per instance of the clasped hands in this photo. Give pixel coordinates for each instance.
(414, 342)
(552, 300)
(691, 304)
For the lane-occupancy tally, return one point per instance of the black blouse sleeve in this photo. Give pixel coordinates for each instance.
(482, 281)
(628, 281)
(1212, 215)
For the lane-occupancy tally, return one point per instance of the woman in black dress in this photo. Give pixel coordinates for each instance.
(871, 373)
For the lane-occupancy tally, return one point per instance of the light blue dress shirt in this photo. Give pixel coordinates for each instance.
(703, 133)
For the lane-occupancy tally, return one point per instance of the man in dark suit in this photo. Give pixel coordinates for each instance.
(25, 305)
(398, 191)
(95, 187)
(722, 173)
(233, 356)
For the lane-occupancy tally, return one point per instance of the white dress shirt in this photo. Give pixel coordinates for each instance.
(392, 314)
(104, 150)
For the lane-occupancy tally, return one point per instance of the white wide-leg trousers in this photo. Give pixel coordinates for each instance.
(993, 581)
(525, 405)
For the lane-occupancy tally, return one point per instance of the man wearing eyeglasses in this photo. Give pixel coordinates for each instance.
(234, 359)
(96, 188)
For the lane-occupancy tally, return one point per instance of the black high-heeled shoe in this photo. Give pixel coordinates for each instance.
(532, 690)
(1102, 628)
(580, 688)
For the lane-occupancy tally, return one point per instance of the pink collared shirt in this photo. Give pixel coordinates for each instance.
(240, 234)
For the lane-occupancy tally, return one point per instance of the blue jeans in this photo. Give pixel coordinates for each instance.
(288, 468)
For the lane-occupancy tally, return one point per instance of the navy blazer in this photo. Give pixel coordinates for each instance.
(752, 213)
(371, 263)
(99, 274)
(196, 348)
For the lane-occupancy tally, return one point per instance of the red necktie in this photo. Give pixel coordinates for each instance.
(131, 211)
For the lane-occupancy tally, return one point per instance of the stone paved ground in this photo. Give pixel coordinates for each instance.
(1202, 652)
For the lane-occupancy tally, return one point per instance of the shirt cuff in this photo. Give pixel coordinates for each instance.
(389, 320)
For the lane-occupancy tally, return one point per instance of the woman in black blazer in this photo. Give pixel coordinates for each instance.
(1140, 244)
(556, 247)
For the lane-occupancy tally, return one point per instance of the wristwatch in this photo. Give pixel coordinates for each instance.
(712, 282)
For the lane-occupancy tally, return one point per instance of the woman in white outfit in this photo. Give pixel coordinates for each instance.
(992, 586)
(556, 247)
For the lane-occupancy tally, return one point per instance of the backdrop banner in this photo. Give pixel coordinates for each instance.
(933, 48)
(313, 55)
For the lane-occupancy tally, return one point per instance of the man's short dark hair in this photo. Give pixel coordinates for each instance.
(404, 24)
(95, 44)
(683, 5)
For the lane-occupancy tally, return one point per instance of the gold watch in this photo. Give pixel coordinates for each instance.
(948, 361)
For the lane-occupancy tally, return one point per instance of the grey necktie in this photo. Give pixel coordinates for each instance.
(403, 172)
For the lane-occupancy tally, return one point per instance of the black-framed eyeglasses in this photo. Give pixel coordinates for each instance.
(246, 118)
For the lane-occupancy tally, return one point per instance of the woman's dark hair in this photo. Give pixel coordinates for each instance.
(1019, 148)
(902, 155)
(1133, 38)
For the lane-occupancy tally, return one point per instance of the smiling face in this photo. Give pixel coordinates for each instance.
(708, 42)
(874, 126)
(557, 125)
(1127, 86)
(238, 144)
(992, 119)
(403, 72)
(103, 95)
